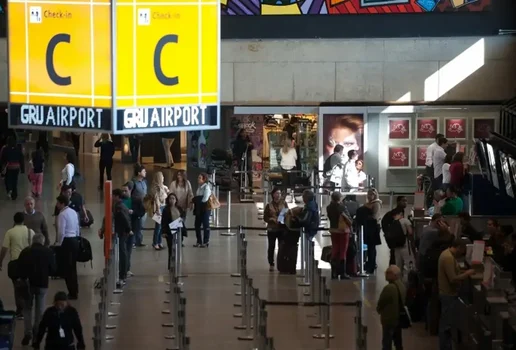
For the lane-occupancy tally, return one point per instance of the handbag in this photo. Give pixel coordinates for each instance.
(405, 321)
(326, 254)
(213, 202)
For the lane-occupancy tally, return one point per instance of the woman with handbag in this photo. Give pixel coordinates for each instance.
(171, 213)
(37, 165)
(340, 230)
(275, 228)
(182, 188)
(203, 203)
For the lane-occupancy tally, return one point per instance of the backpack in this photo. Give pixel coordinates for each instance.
(148, 204)
(395, 236)
(327, 168)
(84, 254)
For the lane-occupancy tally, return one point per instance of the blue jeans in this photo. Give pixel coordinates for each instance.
(391, 335)
(156, 238)
(448, 310)
(36, 303)
(129, 244)
(138, 235)
(203, 219)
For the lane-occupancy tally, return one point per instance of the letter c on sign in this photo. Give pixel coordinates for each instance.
(51, 70)
(158, 70)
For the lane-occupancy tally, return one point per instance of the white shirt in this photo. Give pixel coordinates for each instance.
(446, 173)
(288, 160)
(204, 191)
(438, 160)
(430, 153)
(67, 174)
(355, 178)
(67, 224)
(350, 174)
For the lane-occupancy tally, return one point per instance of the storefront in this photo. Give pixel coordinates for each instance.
(391, 140)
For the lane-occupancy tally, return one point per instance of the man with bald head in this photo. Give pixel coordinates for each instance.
(35, 220)
(391, 300)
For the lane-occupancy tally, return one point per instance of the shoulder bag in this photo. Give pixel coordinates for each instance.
(405, 320)
(22, 285)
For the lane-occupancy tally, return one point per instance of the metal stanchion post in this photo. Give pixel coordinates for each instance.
(309, 246)
(320, 300)
(228, 233)
(117, 266)
(240, 237)
(314, 267)
(391, 197)
(217, 211)
(361, 272)
(256, 316)
(325, 321)
(265, 202)
(247, 312)
(360, 329)
(263, 329)
(303, 252)
(243, 284)
(179, 254)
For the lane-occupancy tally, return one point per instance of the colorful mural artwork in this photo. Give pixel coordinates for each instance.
(348, 7)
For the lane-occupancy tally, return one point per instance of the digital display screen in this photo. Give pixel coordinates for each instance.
(506, 172)
(492, 165)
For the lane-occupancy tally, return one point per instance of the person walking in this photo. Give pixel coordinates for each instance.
(122, 224)
(340, 230)
(134, 146)
(275, 228)
(107, 151)
(76, 142)
(13, 164)
(37, 165)
(390, 302)
(136, 211)
(139, 191)
(68, 232)
(242, 150)
(68, 172)
(36, 264)
(15, 240)
(201, 211)
(159, 193)
(288, 161)
(62, 324)
(171, 213)
(35, 220)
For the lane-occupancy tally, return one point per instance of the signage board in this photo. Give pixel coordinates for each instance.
(60, 64)
(167, 58)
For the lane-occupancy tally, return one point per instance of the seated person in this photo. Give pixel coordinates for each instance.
(453, 204)
(508, 262)
(496, 239)
(438, 202)
(467, 229)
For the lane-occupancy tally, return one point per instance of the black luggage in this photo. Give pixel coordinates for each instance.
(85, 253)
(83, 222)
(287, 257)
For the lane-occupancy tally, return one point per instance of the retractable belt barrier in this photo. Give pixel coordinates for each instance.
(177, 311)
(108, 288)
(253, 310)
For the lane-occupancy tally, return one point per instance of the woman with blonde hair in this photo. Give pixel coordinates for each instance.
(159, 193)
(288, 160)
(370, 220)
(107, 151)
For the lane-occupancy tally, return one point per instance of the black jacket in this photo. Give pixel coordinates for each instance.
(239, 147)
(122, 219)
(52, 321)
(365, 218)
(166, 219)
(334, 211)
(107, 150)
(37, 263)
(12, 157)
(137, 207)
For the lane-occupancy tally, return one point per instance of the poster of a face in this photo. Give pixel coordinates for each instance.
(250, 125)
(399, 157)
(399, 129)
(455, 128)
(343, 129)
(421, 156)
(482, 127)
(198, 148)
(426, 128)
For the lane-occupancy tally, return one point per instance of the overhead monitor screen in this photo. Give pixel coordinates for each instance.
(506, 172)
(492, 165)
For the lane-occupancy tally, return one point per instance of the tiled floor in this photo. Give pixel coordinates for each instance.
(209, 289)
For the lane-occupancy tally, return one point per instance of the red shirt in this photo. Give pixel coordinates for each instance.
(456, 174)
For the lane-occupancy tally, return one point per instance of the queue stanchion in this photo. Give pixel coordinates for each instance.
(320, 300)
(182, 323)
(361, 260)
(240, 237)
(228, 233)
(247, 313)
(303, 254)
(326, 331)
(308, 247)
(178, 254)
(118, 289)
(257, 320)
(217, 211)
(313, 285)
(360, 329)
(263, 326)
(265, 202)
(97, 332)
(243, 285)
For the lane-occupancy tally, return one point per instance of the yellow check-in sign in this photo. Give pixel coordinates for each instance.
(167, 53)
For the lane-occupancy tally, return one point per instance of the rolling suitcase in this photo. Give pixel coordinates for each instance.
(287, 257)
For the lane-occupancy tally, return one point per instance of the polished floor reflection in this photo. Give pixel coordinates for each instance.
(209, 289)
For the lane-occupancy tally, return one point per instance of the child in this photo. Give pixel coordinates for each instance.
(37, 163)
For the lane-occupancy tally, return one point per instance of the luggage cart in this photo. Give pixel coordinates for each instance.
(7, 327)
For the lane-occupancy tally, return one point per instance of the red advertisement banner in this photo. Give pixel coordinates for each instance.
(399, 157)
(399, 129)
